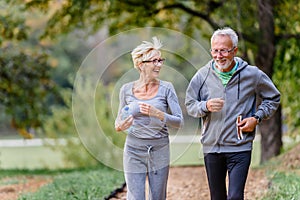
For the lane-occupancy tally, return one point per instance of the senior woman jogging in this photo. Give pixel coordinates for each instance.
(153, 106)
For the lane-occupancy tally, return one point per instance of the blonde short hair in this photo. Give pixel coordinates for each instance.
(145, 51)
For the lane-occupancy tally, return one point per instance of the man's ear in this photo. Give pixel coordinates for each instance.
(235, 50)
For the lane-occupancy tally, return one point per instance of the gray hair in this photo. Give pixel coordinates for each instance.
(226, 31)
(145, 51)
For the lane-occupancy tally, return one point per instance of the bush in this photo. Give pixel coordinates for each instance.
(86, 148)
(284, 186)
(83, 184)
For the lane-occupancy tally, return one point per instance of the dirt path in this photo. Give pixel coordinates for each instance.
(19, 185)
(190, 183)
(185, 183)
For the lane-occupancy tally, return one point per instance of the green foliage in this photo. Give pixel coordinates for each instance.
(25, 85)
(286, 77)
(12, 22)
(122, 15)
(71, 15)
(286, 64)
(92, 112)
(61, 124)
(284, 186)
(287, 21)
(186, 16)
(103, 108)
(83, 184)
(67, 54)
(189, 17)
(25, 73)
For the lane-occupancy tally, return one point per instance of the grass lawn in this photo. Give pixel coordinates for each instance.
(284, 185)
(37, 157)
(43, 157)
(90, 184)
(83, 184)
(183, 154)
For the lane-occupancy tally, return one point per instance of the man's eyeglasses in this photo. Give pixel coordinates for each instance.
(156, 62)
(224, 52)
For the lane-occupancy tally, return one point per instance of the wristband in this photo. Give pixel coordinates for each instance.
(258, 119)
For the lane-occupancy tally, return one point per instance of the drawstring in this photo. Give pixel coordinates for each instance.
(199, 97)
(238, 94)
(151, 163)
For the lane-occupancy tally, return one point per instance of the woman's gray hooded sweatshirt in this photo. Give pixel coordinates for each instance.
(219, 130)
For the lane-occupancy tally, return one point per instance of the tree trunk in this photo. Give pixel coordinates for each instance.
(271, 134)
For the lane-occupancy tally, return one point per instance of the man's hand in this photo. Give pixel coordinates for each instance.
(215, 105)
(248, 124)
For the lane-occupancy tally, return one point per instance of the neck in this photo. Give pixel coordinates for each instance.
(146, 83)
(146, 80)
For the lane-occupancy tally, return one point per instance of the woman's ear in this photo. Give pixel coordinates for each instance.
(141, 66)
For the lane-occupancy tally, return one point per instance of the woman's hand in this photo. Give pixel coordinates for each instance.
(125, 124)
(151, 111)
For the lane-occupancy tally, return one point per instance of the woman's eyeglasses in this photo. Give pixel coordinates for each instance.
(156, 62)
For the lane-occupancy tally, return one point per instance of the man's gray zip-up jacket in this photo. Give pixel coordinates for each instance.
(219, 130)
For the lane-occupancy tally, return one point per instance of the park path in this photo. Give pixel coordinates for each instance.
(24, 184)
(190, 183)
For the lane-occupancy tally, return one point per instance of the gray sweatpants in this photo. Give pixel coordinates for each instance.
(142, 158)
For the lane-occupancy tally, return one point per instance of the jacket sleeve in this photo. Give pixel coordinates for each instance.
(269, 95)
(194, 105)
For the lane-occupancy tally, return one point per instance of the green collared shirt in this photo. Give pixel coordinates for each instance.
(225, 76)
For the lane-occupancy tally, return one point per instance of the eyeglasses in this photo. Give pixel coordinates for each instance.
(156, 62)
(224, 52)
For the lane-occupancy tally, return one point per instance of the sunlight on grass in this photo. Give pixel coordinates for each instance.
(30, 158)
(81, 184)
(284, 186)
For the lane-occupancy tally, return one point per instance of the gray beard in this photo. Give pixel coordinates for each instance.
(224, 67)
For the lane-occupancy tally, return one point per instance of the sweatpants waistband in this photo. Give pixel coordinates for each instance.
(132, 140)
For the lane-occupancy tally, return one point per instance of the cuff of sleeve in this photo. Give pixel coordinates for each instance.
(165, 117)
(259, 114)
(203, 106)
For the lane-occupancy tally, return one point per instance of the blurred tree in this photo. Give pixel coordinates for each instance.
(25, 81)
(94, 145)
(261, 26)
(287, 61)
(61, 125)
(33, 70)
(287, 73)
(24, 87)
(12, 26)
